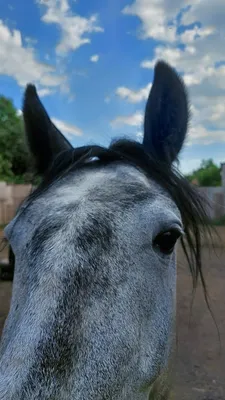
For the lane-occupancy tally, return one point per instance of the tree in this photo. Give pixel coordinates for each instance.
(207, 175)
(15, 163)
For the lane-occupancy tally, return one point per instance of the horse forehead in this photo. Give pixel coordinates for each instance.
(95, 188)
(113, 188)
(98, 186)
(101, 183)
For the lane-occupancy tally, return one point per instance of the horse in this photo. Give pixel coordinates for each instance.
(93, 306)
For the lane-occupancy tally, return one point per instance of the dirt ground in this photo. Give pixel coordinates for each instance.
(200, 362)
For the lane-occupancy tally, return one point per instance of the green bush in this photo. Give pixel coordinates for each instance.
(207, 175)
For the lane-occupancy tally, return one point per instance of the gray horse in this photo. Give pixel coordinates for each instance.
(94, 294)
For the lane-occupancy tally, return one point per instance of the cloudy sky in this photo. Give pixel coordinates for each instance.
(92, 62)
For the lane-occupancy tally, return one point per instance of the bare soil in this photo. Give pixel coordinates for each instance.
(200, 367)
(200, 362)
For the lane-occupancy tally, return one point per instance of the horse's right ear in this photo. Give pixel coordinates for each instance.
(166, 114)
(45, 141)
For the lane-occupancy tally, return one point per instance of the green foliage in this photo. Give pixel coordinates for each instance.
(15, 162)
(219, 221)
(207, 175)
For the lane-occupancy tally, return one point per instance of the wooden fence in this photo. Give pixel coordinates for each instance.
(11, 196)
(215, 197)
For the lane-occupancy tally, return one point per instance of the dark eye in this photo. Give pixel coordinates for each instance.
(165, 242)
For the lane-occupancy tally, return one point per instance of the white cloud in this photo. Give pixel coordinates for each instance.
(20, 62)
(197, 52)
(67, 129)
(74, 28)
(139, 135)
(19, 112)
(45, 92)
(135, 119)
(207, 13)
(134, 96)
(94, 58)
(199, 134)
(171, 54)
(196, 66)
(158, 17)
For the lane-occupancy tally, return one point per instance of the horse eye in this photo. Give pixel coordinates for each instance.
(166, 241)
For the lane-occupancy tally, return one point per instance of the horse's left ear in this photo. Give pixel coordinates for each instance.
(166, 114)
(45, 141)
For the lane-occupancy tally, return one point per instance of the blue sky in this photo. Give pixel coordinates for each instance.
(92, 63)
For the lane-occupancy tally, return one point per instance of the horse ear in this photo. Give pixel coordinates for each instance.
(166, 114)
(45, 141)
